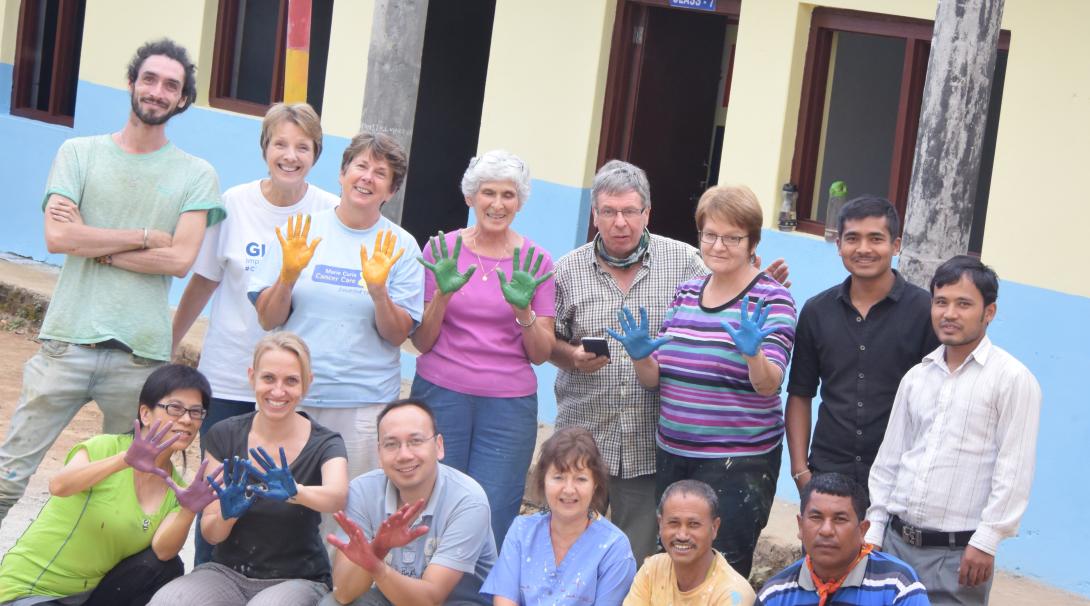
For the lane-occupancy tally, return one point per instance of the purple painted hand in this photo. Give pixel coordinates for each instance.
(199, 493)
(146, 447)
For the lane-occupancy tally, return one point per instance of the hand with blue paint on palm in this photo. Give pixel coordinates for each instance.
(276, 483)
(751, 332)
(636, 337)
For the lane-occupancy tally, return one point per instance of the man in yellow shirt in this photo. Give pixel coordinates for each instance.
(690, 571)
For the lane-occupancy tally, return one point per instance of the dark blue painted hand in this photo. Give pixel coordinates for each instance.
(277, 483)
(236, 495)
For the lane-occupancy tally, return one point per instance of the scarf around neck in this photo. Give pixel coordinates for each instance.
(623, 262)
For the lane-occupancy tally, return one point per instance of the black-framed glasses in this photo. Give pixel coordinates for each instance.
(729, 241)
(414, 443)
(177, 409)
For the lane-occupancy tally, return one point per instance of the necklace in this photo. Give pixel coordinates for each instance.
(480, 263)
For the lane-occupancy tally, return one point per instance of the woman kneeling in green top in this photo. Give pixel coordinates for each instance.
(111, 532)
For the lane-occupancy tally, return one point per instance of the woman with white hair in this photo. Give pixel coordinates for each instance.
(488, 317)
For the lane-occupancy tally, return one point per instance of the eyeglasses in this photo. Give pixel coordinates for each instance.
(177, 409)
(611, 213)
(729, 241)
(413, 443)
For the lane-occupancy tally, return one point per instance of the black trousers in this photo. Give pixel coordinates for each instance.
(745, 486)
(135, 579)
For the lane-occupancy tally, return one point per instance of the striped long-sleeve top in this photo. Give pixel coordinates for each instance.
(709, 407)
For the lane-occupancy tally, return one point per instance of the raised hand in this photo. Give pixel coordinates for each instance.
(749, 334)
(297, 253)
(520, 290)
(199, 493)
(445, 267)
(376, 269)
(277, 482)
(357, 549)
(778, 270)
(636, 338)
(395, 531)
(235, 494)
(147, 447)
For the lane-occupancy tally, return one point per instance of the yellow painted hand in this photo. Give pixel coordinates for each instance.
(376, 269)
(297, 253)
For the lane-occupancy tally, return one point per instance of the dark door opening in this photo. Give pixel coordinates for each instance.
(666, 91)
(453, 67)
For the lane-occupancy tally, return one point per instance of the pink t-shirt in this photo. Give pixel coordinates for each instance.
(479, 350)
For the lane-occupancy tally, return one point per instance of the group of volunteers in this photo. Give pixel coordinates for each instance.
(663, 468)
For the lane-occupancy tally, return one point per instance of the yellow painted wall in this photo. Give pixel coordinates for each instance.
(546, 81)
(346, 70)
(1038, 210)
(1039, 157)
(9, 21)
(114, 29)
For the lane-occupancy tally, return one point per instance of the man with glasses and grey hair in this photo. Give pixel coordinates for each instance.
(625, 265)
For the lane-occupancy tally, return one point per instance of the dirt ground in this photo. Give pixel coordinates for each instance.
(778, 540)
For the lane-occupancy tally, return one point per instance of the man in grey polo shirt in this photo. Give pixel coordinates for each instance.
(413, 529)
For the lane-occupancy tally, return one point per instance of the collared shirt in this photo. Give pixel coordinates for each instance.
(961, 448)
(459, 533)
(620, 414)
(877, 580)
(859, 361)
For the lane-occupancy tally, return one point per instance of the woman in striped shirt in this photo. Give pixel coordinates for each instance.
(719, 362)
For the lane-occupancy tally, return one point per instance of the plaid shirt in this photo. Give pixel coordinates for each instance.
(620, 414)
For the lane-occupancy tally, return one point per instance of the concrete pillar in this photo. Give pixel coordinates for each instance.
(951, 134)
(393, 76)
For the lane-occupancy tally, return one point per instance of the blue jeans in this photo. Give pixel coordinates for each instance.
(491, 439)
(218, 410)
(57, 381)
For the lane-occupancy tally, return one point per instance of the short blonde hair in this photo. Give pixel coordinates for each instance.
(299, 114)
(735, 204)
(290, 342)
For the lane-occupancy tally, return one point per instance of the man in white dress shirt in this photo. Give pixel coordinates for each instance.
(952, 477)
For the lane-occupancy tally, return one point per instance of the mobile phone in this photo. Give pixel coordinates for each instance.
(596, 346)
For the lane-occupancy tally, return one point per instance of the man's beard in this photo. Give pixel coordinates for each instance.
(151, 119)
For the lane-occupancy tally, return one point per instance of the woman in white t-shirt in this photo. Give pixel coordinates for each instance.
(291, 142)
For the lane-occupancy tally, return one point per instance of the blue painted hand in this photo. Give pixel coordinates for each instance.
(750, 332)
(235, 494)
(636, 338)
(276, 483)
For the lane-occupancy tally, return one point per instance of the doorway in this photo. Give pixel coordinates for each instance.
(665, 103)
(447, 126)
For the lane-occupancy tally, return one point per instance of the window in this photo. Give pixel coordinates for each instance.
(248, 59)
(47, 60)
(861, 95)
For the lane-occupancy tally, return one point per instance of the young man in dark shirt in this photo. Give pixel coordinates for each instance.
(856, 339)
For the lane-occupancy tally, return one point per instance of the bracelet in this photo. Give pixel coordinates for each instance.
(533, 318)
(144, 246)
(799, 474)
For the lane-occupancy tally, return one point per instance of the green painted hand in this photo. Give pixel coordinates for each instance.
(520, 290)
(445, 267)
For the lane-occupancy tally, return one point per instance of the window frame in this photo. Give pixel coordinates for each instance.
(824, 23)
(223, 56)
(66, 53)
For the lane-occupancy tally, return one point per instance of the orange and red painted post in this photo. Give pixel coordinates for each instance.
(298, 51)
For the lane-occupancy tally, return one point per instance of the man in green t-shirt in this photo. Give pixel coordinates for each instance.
(129, 210)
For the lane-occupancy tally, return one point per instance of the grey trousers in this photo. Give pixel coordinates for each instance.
(632, 508)
(937, 568)
(212, 584)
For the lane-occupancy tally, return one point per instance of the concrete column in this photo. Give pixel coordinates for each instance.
(393, 76)
(951, 134)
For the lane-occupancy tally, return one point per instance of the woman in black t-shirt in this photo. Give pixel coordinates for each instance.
(265, 532)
